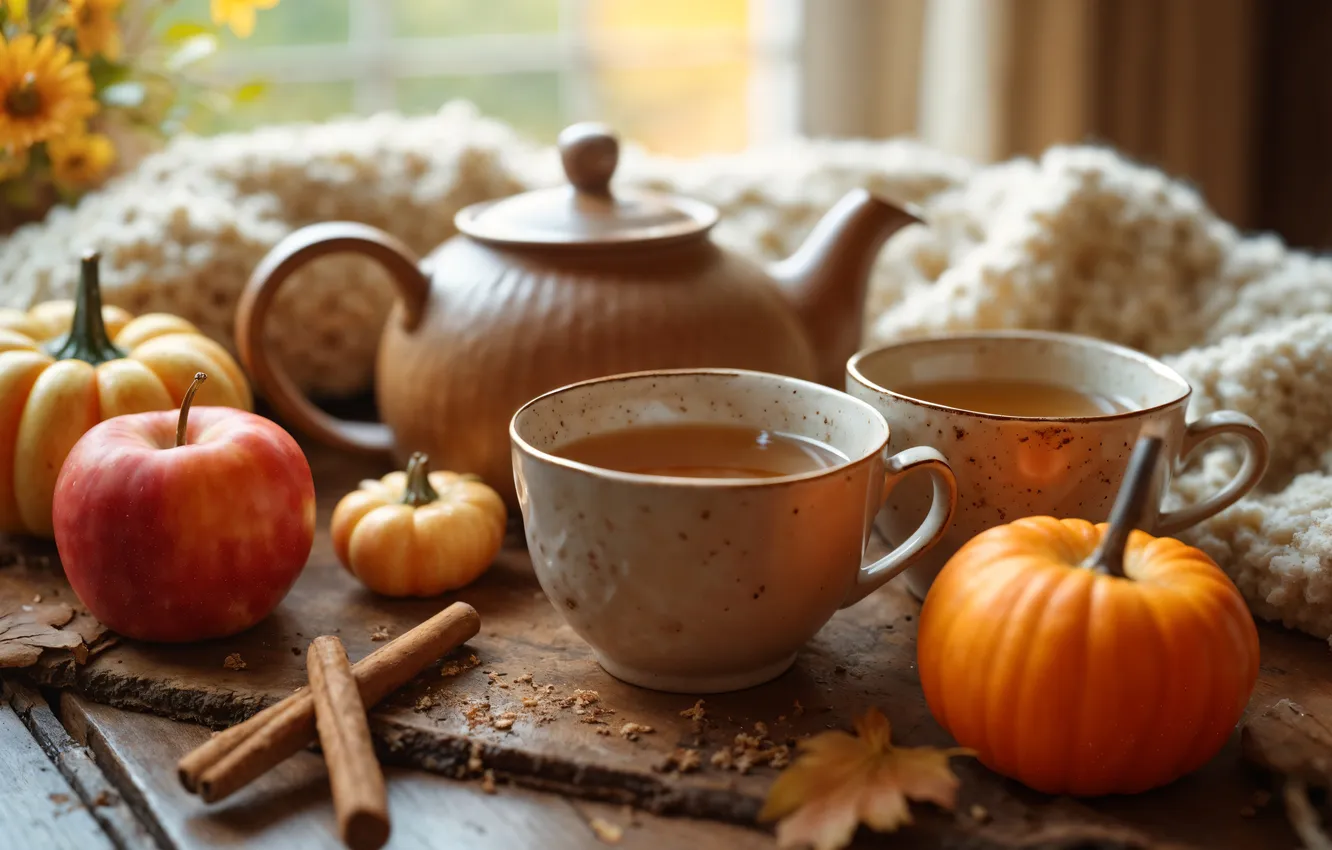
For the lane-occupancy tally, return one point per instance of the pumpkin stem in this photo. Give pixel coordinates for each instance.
(87, 339)
(184, 420)
(1129, 505)
(418, 490)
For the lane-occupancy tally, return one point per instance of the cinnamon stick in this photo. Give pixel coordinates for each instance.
(237, 756)
(359, 797)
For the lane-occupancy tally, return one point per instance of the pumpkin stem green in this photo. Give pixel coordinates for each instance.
(184, 420)
(418, 490)
(1129, 506)
(87, 339)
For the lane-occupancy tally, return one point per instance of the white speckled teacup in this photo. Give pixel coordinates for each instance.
(700, 585)
(1008, 466)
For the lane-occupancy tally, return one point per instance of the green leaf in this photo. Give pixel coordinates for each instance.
(105, 74)
(182, 31)
(250, 92)
(194, 50)
(124, 94)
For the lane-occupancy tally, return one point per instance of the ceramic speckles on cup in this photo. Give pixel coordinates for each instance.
(1009, 467)
(702, 585)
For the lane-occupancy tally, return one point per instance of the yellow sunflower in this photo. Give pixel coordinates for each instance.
(80, 160)
(94, 25)
(238, 14)
(42, 93)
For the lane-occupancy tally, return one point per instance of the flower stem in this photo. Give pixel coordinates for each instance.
(199, 378)
(87, 339)
(418, 490)
(1129, 505)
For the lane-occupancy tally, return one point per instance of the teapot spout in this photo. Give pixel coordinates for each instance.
(827, 278)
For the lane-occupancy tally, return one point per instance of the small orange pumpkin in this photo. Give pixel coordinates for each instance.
(418, 533)
(1078, 665)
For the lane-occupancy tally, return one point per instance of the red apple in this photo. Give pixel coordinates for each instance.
(184, 526)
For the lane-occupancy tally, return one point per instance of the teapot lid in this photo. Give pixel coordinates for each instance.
(586, 212)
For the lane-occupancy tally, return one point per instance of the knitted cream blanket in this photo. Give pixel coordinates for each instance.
(1081, 240)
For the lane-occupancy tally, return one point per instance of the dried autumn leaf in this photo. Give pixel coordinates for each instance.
(605, 831)
(1288, 739)
(1304, 817)
(28, 629)
(839, 781)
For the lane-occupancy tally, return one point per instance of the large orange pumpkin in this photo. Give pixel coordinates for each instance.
(1076, 681)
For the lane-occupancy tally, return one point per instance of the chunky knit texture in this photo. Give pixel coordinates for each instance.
(1080, 240)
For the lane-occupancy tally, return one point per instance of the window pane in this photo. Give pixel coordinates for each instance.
(292, 22)
(673, 15)
(528, 101)
(284, 103)
(673, 76)
(423, 18)
(678, 111)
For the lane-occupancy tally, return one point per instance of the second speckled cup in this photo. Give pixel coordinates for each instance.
(1009, 467)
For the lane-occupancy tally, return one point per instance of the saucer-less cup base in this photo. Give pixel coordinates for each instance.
(1008, 467)
(707, 585)
(717, 684)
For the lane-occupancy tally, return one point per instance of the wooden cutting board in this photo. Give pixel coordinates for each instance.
(526, 698)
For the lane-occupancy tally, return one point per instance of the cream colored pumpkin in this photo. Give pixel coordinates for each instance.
(67, 365)
(419, 533)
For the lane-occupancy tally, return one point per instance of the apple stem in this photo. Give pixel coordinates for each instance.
(87, 339)
(1129, 506)
(199, 378)
(418, 490)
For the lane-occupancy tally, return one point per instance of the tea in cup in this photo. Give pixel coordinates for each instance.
(697, 527)
(1037, 423)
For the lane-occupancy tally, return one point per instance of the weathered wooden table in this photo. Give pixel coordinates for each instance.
(123, 793)
(89, 750)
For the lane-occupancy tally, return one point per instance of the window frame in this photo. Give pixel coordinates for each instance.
(373, 60)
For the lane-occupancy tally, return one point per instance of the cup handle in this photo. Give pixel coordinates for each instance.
(931, 531)
(1250, 473)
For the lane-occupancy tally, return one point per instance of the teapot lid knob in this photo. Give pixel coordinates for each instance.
(589, 152)
(583, 213)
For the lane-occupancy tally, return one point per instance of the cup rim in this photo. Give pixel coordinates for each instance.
(695, 483)
(1152, 363)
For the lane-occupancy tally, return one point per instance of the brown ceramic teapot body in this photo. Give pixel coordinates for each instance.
(570, 284)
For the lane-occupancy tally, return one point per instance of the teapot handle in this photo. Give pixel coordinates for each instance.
(286, 257)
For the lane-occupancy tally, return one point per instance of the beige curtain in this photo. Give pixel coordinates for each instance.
(1171, 82)
(862, 65)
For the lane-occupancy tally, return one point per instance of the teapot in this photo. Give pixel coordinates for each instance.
(550, 287)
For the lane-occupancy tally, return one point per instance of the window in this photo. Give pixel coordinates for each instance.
(681, 77)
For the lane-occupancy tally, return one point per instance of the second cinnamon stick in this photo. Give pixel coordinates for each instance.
(237, 756)
(359, 797)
